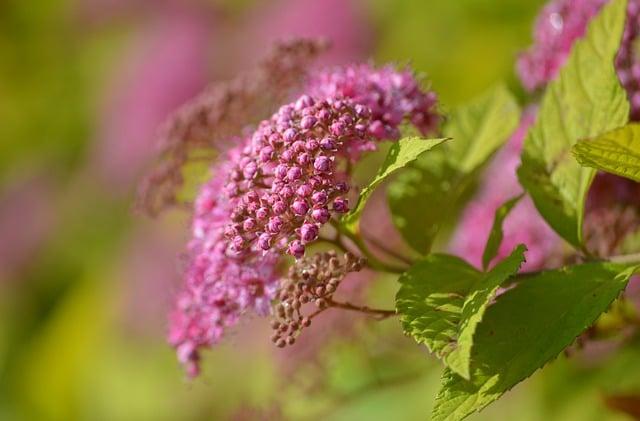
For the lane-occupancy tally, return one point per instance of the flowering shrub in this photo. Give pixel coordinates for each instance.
(543, 246)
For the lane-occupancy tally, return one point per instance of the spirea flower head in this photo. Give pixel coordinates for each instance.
(392, 95)
(271, 195)
(218, 287)
(559, 25)
(290, 178)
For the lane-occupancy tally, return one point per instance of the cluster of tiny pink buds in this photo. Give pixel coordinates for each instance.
(312, 280)
(392, 95)
(272, 194)
(559, 25)
(218, 287)
(290, 176)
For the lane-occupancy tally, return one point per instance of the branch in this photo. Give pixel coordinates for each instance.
(377, 313)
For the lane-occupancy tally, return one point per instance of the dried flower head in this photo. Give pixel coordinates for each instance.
(219, 114)
(311, 282)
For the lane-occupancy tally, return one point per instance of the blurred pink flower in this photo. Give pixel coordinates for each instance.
(523, 225)
(559, 25)
(339, 21)
(27, 217)
(166, 66)
(147, 270)
(219, 286)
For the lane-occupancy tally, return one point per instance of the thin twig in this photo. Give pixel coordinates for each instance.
(389, 251)
(379, 314)
(372, 260)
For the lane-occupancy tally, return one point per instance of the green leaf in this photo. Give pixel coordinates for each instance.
(400, 154)
(431, 298)
(475, 306)
(585, 100)
(431, 191)
(442, 299)
(617, 152)
(525, 328)
(496, 234)
(424, 197)
(481, 127)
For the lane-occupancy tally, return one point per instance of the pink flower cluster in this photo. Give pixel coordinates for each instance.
(288, 179)
(392, 96)
(218, 286)
(523, 225)
(271, 194)
(559, 25)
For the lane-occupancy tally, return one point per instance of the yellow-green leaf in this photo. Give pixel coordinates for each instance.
(585, 100)
(617, 152)
(400, 154)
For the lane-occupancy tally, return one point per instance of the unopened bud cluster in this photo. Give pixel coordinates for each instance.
(288, 180)
(312, 280)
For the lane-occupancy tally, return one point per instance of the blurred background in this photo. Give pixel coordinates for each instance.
(85, 283)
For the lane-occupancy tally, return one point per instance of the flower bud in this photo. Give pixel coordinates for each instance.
(281, 171)
(319, 198)
(289, 135)
(328, 143)
(320, 215)
(262, 213)
(266, 154)
(322, 164)
(308, 232)
(296, 249)
(300, 207)
(311, 145)
(304, 190)
(338, 129)
(279, 207)
(294, 173)
(249, 224)
(307, 122)
(274, 225)
(264, 241)
(341, 205)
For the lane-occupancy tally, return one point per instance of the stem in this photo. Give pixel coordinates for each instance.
(373, 261)
(389, 251)
(625, 258)
(378, 313)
